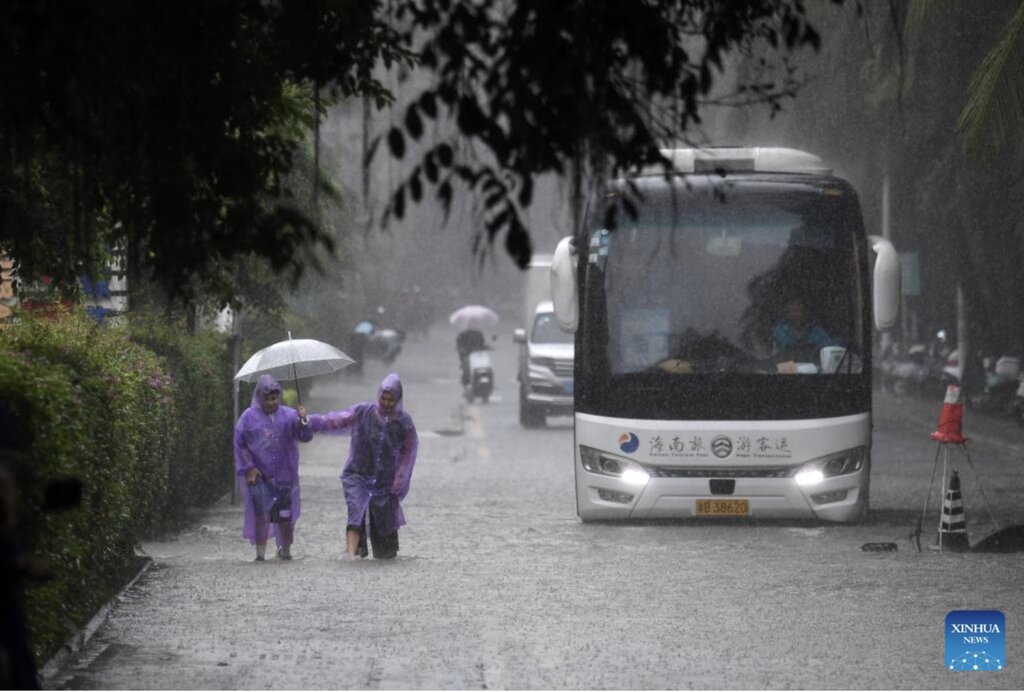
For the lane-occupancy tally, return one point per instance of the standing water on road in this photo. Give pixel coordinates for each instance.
(499, 585)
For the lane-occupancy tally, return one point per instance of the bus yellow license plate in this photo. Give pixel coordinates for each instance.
(723, 508)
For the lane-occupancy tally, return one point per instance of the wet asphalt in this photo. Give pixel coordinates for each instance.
(499, 586)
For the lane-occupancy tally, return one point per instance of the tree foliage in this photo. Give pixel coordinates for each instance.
(994, 114)
(968, 198)
(169, 128)
(887, 103)
(537, 87)
(139, 416)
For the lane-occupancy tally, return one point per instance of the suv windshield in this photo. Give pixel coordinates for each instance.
(547, 331)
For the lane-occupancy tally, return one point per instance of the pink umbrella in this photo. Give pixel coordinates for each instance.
(473, 317)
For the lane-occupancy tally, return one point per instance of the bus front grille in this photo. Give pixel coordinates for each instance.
(677, 472)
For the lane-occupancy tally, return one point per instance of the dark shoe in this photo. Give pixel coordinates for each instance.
(284, 554)
(385, 547)
(259, 558)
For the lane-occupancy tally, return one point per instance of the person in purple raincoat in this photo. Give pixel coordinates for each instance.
(267, 466)
(379, 467)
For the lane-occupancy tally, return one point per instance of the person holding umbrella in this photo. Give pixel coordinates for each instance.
(471, 320)
(267, 466)
(379, 467)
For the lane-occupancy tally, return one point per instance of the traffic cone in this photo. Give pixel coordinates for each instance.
(953, 527)
(951, 418)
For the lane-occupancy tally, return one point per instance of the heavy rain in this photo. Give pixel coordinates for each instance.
(511, 345)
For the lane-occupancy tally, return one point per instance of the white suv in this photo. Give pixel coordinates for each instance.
(545, 369)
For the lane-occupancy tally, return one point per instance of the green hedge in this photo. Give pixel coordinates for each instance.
(199, 367)
(146, 428)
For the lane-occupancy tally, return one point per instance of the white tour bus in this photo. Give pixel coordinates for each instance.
(723, 341)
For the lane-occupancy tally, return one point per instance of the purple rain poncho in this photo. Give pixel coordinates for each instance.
(380, 458)
(268, 442)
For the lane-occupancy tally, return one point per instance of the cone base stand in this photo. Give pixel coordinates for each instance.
(951, 545)
(957, 539)
(946, 540)
(948, 438)
(952, 534)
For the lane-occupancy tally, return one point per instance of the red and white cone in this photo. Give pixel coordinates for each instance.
(951, 420)
(953, 527)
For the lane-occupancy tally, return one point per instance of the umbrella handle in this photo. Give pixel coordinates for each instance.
(295, 376)
(298, 392)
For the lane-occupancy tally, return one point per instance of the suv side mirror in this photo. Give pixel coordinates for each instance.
(519, 336)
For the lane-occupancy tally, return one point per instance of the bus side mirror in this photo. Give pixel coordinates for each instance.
(886, 283)
(563, 284)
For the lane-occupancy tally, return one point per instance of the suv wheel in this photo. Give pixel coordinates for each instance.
(530, 416)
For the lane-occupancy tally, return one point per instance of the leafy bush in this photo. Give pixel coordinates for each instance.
(136, 427)
(199, 368)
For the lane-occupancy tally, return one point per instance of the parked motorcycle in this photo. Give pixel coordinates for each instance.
(1002, 383)
(368, 340)
(385, 345)
(1016, 407)
(924, 370)
(908, 371)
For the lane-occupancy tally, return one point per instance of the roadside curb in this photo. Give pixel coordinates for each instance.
(74, 645)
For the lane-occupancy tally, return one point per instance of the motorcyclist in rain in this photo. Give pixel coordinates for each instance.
(466, 342)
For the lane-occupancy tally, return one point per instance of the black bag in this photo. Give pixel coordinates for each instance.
(262, 496)
(281, 510)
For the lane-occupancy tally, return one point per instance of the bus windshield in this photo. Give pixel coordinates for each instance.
(753, 278)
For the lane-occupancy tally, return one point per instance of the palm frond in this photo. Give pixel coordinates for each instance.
(919, 11)
(994, 113)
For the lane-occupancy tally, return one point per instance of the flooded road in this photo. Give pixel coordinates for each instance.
(499, 585)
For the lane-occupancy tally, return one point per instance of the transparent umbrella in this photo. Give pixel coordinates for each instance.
(294, 359)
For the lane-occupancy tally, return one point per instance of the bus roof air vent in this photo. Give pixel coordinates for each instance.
(745, 159)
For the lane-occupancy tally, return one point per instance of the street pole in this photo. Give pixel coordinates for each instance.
(236, 357)
(963, 341)
(886, 339)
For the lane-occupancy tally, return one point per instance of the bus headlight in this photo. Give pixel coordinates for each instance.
(838, 464)
(604, 464)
